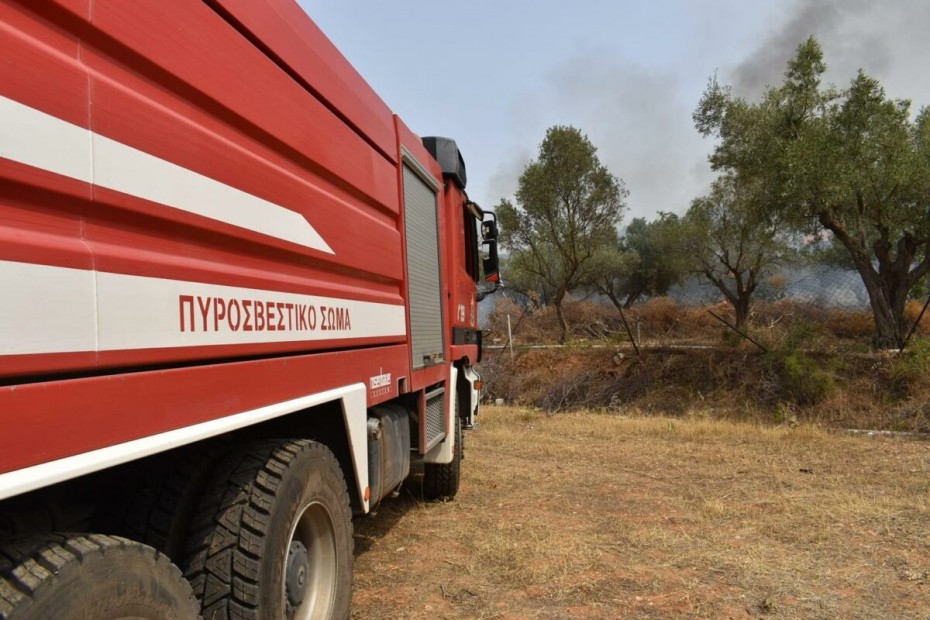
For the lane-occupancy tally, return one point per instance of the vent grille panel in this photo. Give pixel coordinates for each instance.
(426, 334)
(435, 418)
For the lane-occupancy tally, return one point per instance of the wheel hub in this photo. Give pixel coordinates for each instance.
(297, 574)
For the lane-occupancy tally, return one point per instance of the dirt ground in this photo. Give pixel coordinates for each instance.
(596, 515)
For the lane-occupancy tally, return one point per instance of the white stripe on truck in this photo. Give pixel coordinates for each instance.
(40, 140)
(48, 309)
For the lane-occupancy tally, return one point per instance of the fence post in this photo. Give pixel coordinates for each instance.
(509, 338)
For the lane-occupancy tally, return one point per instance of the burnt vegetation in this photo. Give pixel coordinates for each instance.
(814, 364)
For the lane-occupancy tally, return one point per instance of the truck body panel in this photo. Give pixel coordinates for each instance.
(202, 213)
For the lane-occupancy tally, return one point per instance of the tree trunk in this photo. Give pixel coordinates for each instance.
(563, 324)
(741, 306)
(631, 299)
(889, 323)
(741, 299)
(890, 328)
(613, 298)
(616, 302)
(887, 289)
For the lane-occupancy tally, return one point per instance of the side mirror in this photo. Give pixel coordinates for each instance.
(491, 263)
(489, 229)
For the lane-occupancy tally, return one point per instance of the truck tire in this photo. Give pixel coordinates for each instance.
(82, 576)
(442, 481)
(272, 537)
(159, 515)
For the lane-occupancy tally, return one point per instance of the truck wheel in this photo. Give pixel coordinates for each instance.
(78, 576)
(272, 537)
(159, 515)
(442, 481)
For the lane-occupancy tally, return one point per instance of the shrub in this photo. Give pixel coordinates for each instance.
(730, 338)
(912, 311)
(912, 366)
(801, 334)
(805, 380)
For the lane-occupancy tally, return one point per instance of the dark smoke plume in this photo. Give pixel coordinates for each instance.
(886, 39)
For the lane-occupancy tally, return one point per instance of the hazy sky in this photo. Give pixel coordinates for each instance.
(494, 75)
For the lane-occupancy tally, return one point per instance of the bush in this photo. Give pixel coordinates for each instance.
(801, 334)
(662, 318)
(804, 378)
(912, 311)
(730, 338)
(912, 366)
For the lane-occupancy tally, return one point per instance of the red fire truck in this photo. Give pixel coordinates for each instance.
(238, 304)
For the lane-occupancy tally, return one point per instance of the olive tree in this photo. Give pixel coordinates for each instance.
(852, 162)
(563, 222)
(734, 242)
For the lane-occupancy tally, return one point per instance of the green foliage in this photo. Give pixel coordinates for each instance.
(824, 249)
(801, 333)
(524, 278)
(850, 162)
(912, 366)
(921, 290)
(803, 378)
(649, 260)
(730, 338)
(735, 241)
(561, 233)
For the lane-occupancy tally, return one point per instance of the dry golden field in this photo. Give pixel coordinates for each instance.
(595, 515)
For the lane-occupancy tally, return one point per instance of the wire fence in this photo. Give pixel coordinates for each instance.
(814, 307)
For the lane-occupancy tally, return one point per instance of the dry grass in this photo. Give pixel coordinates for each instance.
(589, 515)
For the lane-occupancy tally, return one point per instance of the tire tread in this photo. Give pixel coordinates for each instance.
(227, 529)
(160, 517)
(30, 565)
(441, 481)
